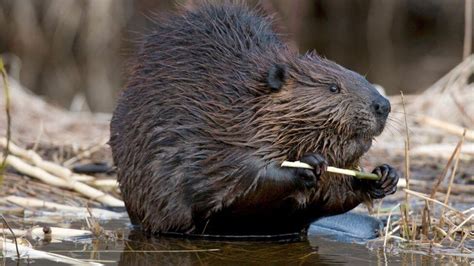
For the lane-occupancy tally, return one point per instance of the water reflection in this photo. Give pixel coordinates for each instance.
(191, 252)
(137, 249)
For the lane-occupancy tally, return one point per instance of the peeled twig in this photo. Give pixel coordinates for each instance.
(55, 233)
(46, 177)
(30, 253)
(394, 230)
(388, 225)
(104, 183)
(77, 211)
(24, 168)
(448, 127)
(443, 151)
(59, 233)
(15, 233)
(331, 169)
(85, 153)
(468, 210)
(51, 167)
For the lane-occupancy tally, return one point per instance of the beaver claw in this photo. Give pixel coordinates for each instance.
(386, 185)
(311, 176)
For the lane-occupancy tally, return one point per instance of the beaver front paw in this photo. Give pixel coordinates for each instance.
(310, 176)
(386, 185)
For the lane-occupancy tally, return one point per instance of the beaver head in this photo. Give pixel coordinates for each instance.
(316, 105)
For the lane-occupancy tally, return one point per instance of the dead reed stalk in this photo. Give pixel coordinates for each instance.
(6, 90)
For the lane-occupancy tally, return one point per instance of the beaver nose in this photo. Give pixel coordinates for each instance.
(381, 106)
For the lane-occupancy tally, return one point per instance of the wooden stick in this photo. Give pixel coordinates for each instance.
(51, 167)
(30, 253)
(104, 183)
(48, 178)
(26, 169)
(448, 127)
(331, 169)
(77, 211)
(444, 151)
(59, 233)
(56, 233)
(86, 153)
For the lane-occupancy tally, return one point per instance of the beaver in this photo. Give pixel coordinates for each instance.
(214, 103)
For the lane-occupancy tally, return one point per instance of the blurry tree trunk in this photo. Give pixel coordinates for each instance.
(382, 65)
(27, 39)
(101, 40)
(468, 29)
(61, 73)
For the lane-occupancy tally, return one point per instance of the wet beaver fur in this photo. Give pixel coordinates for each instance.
(214, 103)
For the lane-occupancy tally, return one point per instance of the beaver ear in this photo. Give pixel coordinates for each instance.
(276, 76)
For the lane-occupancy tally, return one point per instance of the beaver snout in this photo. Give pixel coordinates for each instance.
(381, 107)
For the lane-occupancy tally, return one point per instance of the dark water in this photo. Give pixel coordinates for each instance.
(137, 249)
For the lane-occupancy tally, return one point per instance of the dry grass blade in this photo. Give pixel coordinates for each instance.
(426, 219)
(93, 225)
(405, 208)
(451, 180)
(426, 197)
(445, 171)
(453, 173)
(14, 236)
(407, 144)
(6, 90)
(388, 225)
(466, 234)
(455, 229)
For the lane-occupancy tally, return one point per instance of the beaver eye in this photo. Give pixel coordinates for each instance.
(334, 88)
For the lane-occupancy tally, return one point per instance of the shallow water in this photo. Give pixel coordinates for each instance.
(137, 249)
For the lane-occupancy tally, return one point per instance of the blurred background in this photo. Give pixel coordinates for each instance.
(74, 52)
